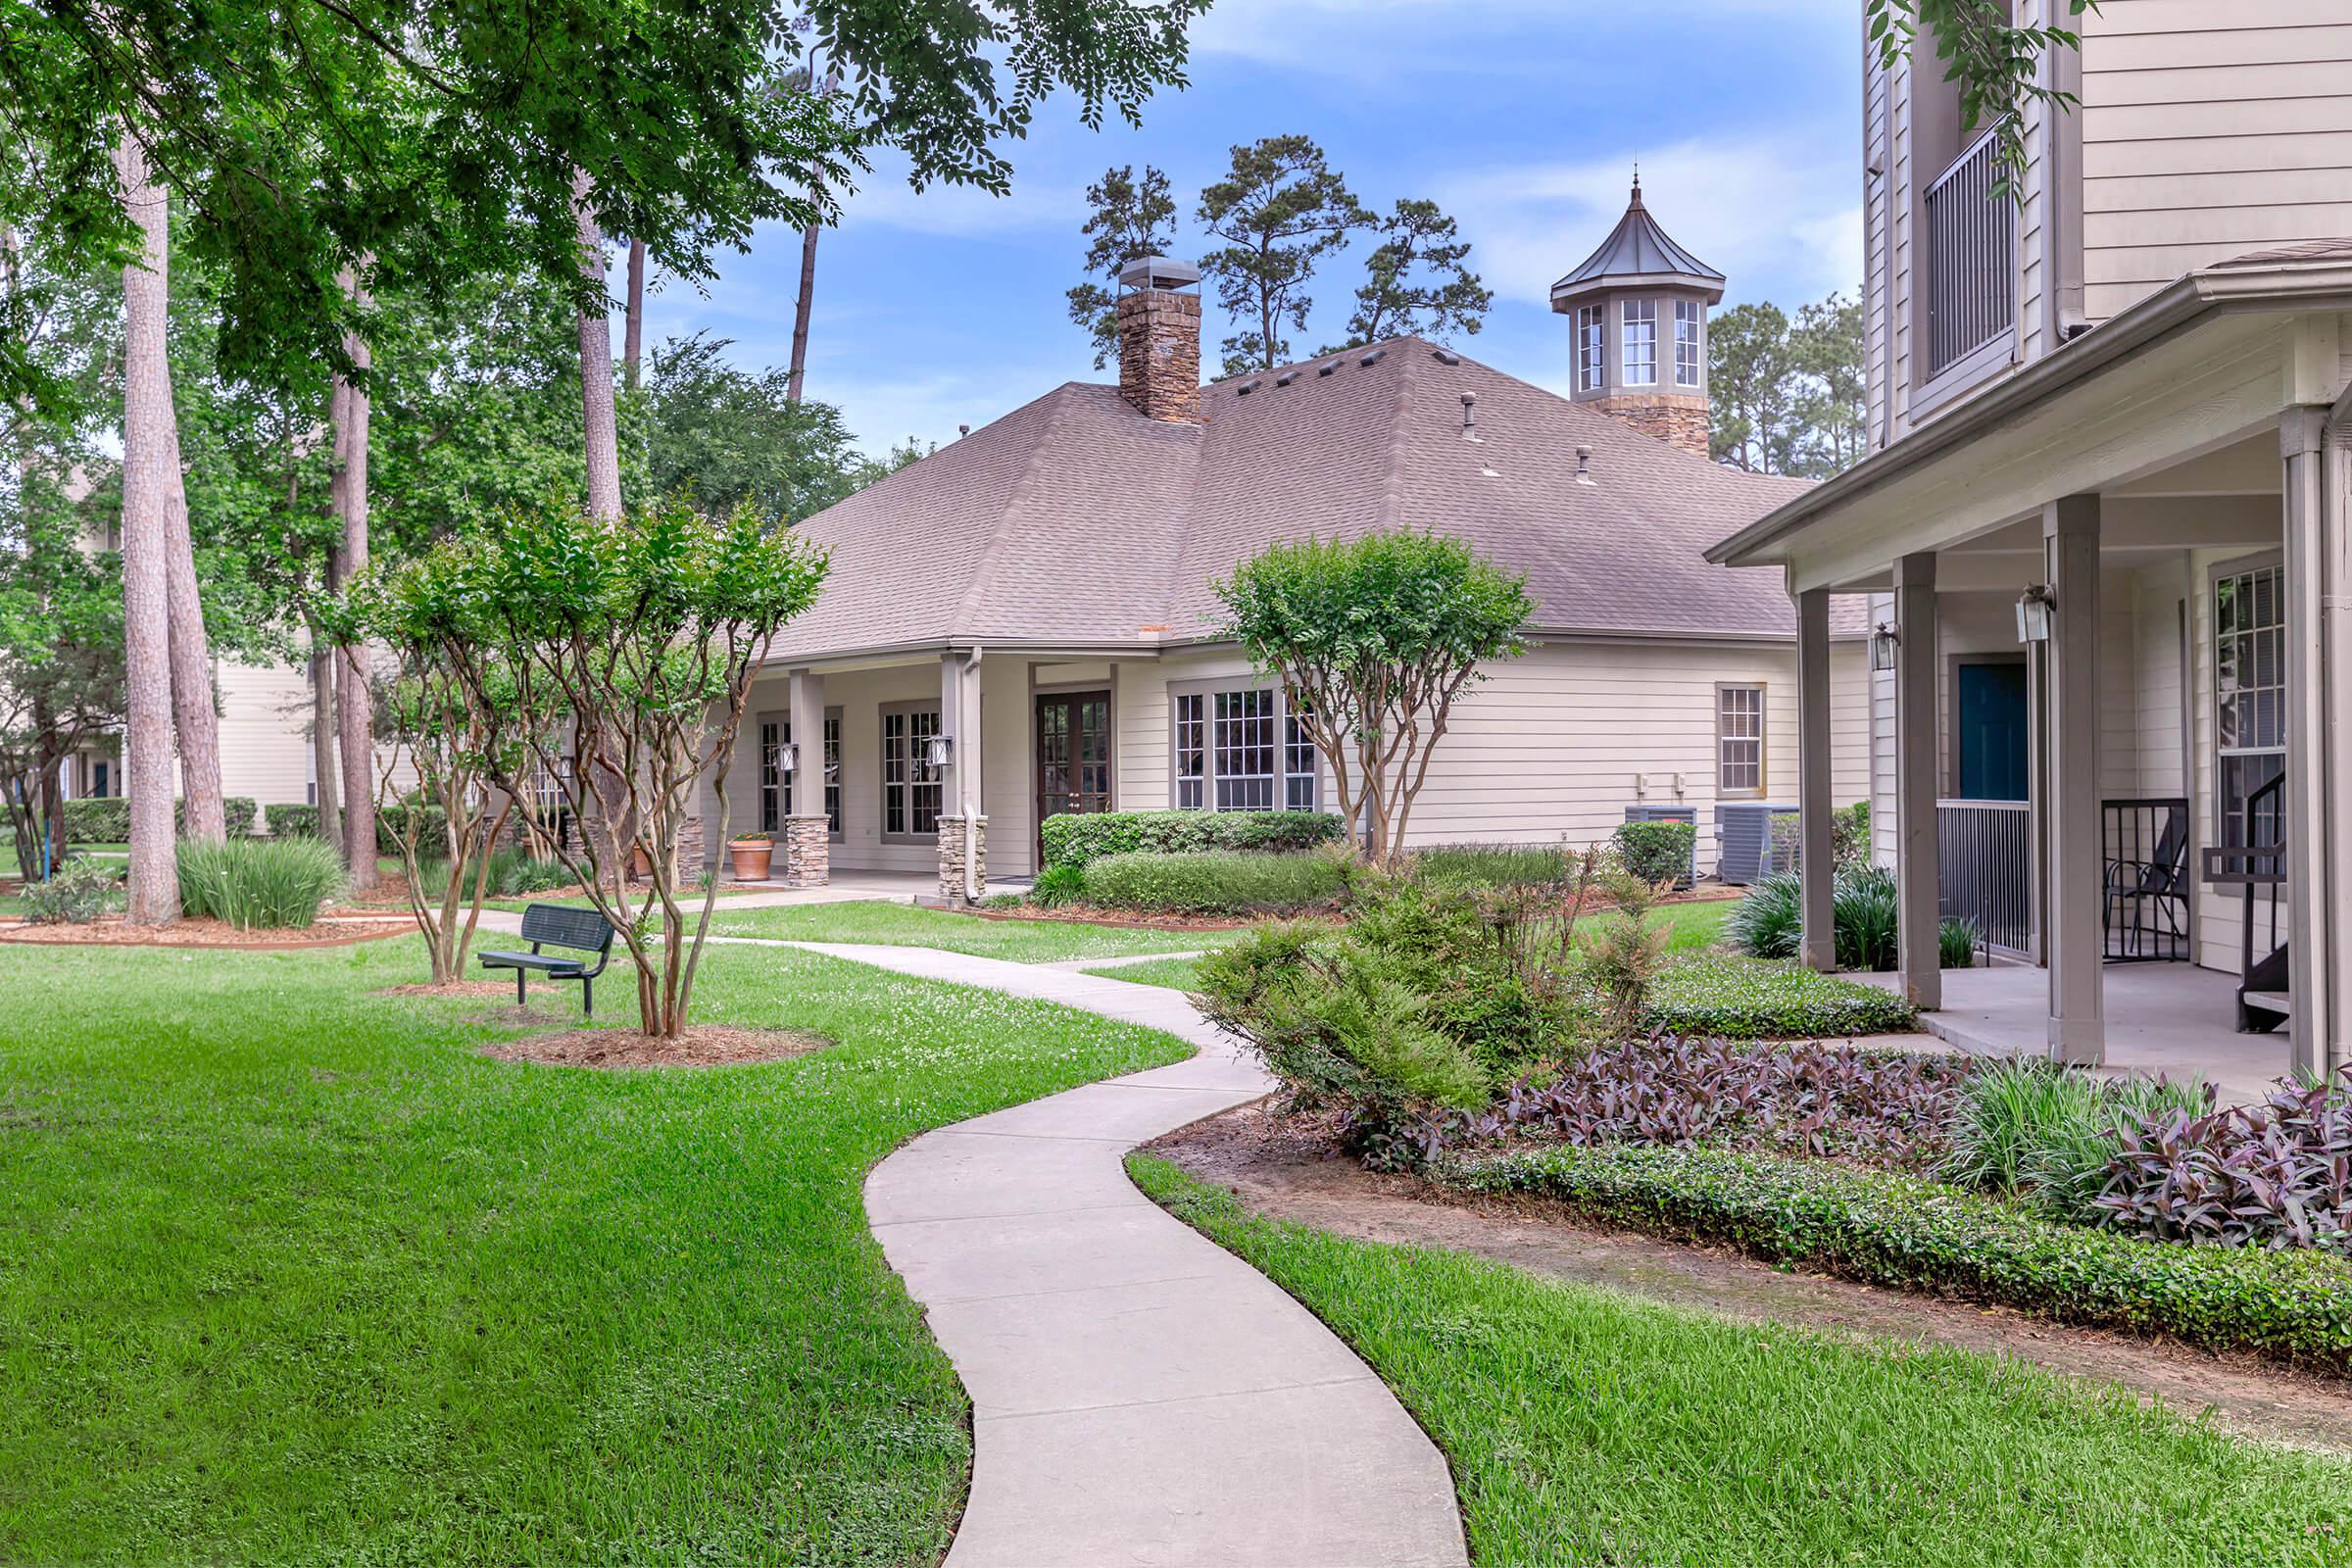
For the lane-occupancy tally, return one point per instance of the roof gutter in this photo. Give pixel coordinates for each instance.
(2164, 314)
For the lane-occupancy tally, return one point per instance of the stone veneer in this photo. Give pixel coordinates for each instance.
(1159, 353)
(1677, 418)
(951, 857)
(803, 853)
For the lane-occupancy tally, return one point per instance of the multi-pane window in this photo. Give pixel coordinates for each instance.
(1640, 327)
(832, 764)
(1738, 740)
(1591, 349)
(910, 785)
(1690, 317)
(1241, 750)
(2249, 633)
(775, 802)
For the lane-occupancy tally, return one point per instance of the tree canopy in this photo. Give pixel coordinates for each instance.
(1788, 397)
(1279, 210)
(1127, 217)
(1996, 63)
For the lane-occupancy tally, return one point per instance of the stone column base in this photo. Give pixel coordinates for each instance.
(950, 858)
(803, 853)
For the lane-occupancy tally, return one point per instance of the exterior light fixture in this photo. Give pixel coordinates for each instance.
(2034, 608)
(787, 756)
(1883, 644)
(939, 752)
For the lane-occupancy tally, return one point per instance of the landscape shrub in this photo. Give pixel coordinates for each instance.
(1888, 1228)
(293, 820)
(2273, 1175)
(1956, 942)
(106, 818)
(1770, 921)
(1889, 1108)
(1865, 907)
(1657, 851)
(512, 872)
(1002, 900)
(1491, 865)
(1058, 885)
(1865, 911)
(431, 824)
(1214, 882)
(257, 883)
(2031, 1129)
(1743, 999)
(81, 890)
(1074, 838)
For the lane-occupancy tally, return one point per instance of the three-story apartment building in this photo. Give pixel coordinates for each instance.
(2104, 529)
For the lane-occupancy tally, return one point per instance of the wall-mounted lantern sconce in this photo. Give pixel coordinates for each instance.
(787, 757)
(2034, 608)
(939, 752)
(1883, 644)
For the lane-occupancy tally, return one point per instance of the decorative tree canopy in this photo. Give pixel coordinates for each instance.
(1372, 640)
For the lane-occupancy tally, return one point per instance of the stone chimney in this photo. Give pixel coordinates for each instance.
(1638, 308)
(1159, 339)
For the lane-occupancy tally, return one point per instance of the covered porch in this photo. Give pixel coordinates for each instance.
(2112, 717)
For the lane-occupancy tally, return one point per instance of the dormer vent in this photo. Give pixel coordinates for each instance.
(1248, 387)
(1373, 358)
(1445, 356)
(1286, 377)
(1326, 370)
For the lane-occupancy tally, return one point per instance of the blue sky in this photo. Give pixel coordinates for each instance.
(1522, 118)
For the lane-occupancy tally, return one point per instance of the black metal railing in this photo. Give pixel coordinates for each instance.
(2144, 907)
(2260, 869)
(1971, 257)
(1984, 869)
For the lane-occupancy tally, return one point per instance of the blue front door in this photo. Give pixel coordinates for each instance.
(1990, 702)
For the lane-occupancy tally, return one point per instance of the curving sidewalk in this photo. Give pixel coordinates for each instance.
(1138, 1394)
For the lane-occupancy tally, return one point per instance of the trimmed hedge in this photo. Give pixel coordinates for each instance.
(1888, 1229)
(1074, 838)
(1748, 999)
(106, 818)
(1657, 851)
(1214, 882)
(294, 820)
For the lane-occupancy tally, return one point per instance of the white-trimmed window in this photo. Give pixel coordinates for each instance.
(911, 786)
(1689, 351)
(779, 791)
(832, 764)
(1738, 741)
(1240, 750)
(1592, 348)
(2249, 722)
(1641, 326)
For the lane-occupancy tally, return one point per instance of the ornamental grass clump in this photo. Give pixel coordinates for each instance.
(2047, 1135)
(258, 884)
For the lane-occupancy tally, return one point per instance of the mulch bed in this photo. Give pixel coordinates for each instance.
(115, 932)
(707, 1044)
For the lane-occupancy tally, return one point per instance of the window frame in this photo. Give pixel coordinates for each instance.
(919, 775)
(787, 792)
(1692, 314)
(1592, 348)
(1287, 742)
(1637, 312)
(1725, 739)
(2273, 565)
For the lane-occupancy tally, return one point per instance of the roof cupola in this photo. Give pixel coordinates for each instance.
(1639, 305)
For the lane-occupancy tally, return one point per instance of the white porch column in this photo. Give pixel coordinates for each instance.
(1915, 752)
(963, 821)
(1816, 851)
(2318, 749)
(2077, 859)
(805, 844)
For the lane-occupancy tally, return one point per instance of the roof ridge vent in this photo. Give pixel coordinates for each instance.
(1444, 356)
(1373, 358)
(1287, 377)
(1326, 370)
(1248, 386)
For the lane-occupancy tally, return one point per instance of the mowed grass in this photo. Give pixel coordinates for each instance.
(1177, 974)
(1590, 1428)
(911, 925)
(289, 1274)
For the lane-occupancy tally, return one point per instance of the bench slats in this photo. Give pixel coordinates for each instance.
(564, 925)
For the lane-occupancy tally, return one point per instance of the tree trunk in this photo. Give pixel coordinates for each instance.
(354, 704)
(322, 735)
(596, 362)
(193, 714)
(147, 452)
(800, 312)
(632, 340)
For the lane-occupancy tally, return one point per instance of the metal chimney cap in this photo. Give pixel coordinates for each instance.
(1157, 272)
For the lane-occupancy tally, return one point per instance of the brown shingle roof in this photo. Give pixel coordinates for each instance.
(1075, 519)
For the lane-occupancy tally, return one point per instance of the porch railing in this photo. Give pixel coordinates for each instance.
(1984, 869)
(1971, 257)
(2144, 909)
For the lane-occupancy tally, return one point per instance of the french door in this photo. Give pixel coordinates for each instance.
(1073, 753)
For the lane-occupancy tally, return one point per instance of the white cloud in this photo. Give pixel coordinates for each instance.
(1778, 217)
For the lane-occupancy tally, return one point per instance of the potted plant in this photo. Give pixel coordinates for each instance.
(750, 854)
(641, 865)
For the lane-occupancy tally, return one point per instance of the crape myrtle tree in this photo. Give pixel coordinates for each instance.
(61, 656)
(1373, 639)
(630, 644)
(446, 714)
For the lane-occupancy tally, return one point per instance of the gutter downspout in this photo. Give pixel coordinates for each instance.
(968, 699)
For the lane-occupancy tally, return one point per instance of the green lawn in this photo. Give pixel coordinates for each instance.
(1590, 1428)
(910, 925)
(289, 1274)
(1177, 974)
(1697, 924)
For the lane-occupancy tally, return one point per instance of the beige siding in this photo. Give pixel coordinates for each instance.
(265, 733)
(2210, 127)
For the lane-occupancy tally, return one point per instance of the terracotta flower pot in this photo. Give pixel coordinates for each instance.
(641, 865)
(751, 858)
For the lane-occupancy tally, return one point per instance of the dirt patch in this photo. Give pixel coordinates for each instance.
(1285, 1168)
(707, 1044)
(113, 932)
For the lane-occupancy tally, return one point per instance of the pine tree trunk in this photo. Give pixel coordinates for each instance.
(322, 736)
(355, 706)
(595, 363)
(632, 341)
(800, 312)
(193, 714)
(147, 452)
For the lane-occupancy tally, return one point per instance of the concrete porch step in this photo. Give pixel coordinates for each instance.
(2269, 1002)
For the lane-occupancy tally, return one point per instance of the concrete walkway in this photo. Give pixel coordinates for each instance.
(1138, 1394)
